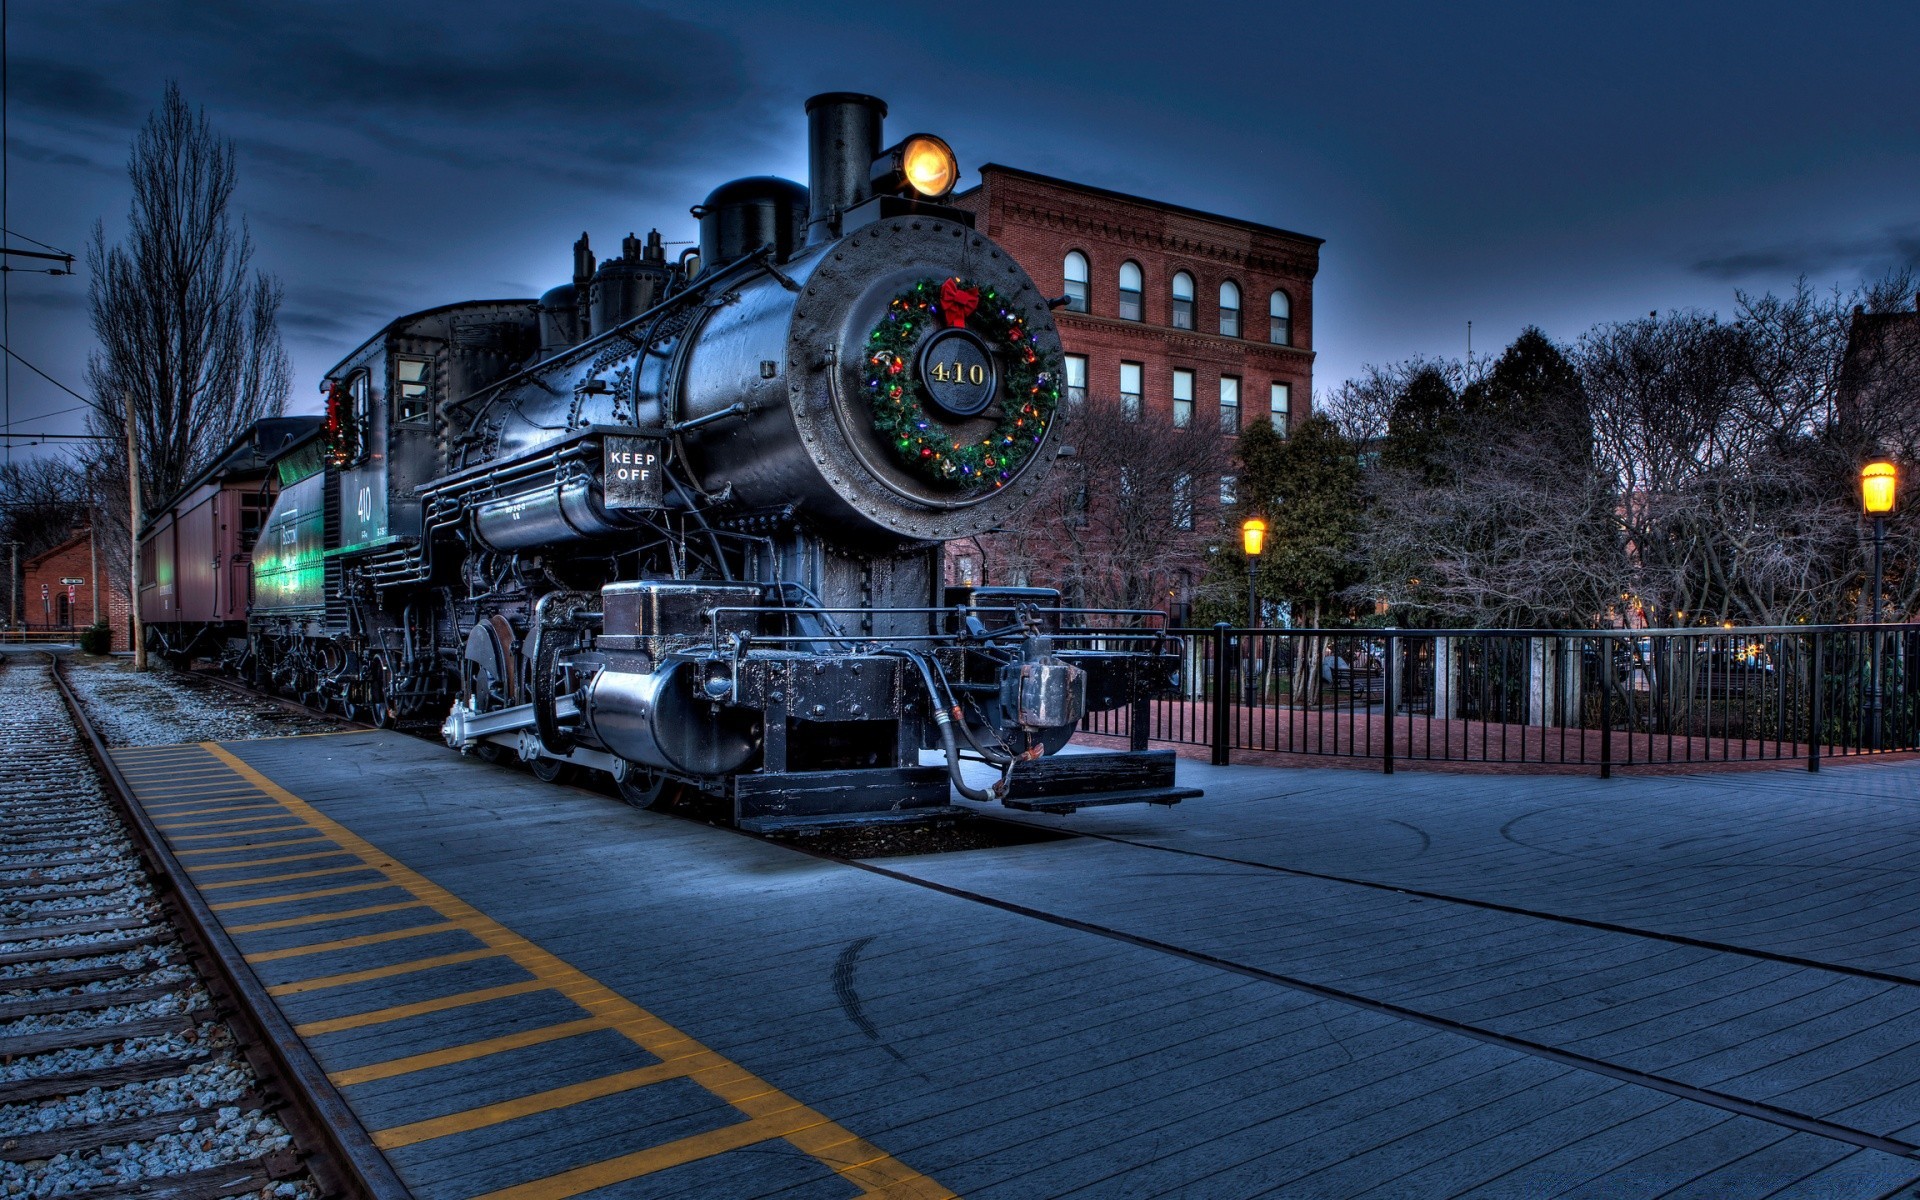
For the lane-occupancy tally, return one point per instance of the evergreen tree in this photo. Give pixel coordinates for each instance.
(1308, 487)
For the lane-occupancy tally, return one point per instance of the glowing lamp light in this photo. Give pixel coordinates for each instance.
(929, 165)
(922, 165)
(1253, 536)
(1879, 488)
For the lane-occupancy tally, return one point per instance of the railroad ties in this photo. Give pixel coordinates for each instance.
(117, 1077)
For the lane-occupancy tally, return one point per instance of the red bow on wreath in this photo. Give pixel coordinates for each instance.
(957, 302)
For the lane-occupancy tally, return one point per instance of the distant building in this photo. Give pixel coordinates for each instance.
(1182, 317)
(1880, 373)
(61, 585)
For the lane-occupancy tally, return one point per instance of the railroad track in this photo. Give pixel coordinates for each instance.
(135, 1057)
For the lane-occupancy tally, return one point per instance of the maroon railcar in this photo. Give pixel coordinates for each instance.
(196, 551)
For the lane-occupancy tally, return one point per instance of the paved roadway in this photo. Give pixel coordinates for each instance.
(1314, 983)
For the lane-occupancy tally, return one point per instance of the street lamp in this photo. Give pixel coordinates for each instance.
(1879, 496)
(1253, 537)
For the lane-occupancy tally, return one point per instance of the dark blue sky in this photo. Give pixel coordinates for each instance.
(1504, 164)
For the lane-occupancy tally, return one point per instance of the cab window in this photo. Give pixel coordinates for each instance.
(414, 382)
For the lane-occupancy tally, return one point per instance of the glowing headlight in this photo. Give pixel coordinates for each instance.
(921, 165)
(929, 165)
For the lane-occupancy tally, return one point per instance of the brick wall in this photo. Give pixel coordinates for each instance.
(46, 572)
(1040, 219)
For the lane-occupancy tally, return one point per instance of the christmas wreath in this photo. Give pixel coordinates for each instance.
(1029, 387)
(341, 432)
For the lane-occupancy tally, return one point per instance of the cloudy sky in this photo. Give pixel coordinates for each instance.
(1500, 164)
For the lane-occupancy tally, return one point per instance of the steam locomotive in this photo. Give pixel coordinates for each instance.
(682, 521)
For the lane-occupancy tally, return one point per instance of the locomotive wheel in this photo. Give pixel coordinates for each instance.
(490, 753)
(551, 770)
(380, 708)
(642, 787)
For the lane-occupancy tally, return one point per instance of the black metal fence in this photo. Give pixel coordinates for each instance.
(1564, 698)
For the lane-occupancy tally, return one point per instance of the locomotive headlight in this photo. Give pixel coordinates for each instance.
(922, 165)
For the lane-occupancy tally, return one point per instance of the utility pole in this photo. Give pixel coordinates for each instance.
(133, 535)
(93, 570)
(13, 588)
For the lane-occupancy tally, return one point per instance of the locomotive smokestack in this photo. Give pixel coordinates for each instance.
(843, 139)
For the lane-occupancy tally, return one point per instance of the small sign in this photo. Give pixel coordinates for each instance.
(632, 472)
(72, 582)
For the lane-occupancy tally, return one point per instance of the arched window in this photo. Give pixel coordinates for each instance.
(1130, 288)
(1182, 301)
(1230, 308)
(1075, 271)
(1280, 320)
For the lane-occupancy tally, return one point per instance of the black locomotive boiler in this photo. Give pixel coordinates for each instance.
(682, 521)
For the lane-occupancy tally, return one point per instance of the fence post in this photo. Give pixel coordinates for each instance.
(1816, 719)
(1387, 694)
(1606, 707)
(1222, 695)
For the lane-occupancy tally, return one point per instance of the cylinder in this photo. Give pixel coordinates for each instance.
(843, 139)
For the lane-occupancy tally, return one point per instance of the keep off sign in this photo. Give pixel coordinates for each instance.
(632, 472)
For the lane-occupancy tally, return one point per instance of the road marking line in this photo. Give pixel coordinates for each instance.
(466, 1053)
(659, 1158)
(267, 862)
(243, 833)
(252, 846)
(350, 943)
(526, 1106)
(273, 813)
(400, 1012)
(323, 982)
(340, 914)
(313, 895)
(287, 877)
(196, 812)
(859, 1162)
(277, 815)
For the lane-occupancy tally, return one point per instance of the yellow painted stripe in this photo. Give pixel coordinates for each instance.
(300, 841)
(288, 877)
(466, 1053)
(184, 790)
(659, 1158)
(231, 808)
(245, 833)
(278, 814)
(341, 914)
(401, 1012)
(526, 1106)
(309, 856)
(406, 968)
(861, 1163)
(313, 895)
(168, 807)
(350, 943)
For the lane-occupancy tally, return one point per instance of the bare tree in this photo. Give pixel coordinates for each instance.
(1125, 520)
(188, 333)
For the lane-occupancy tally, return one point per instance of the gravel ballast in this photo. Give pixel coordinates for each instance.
(69, 838)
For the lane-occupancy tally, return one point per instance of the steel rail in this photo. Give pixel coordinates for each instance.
(338, 1150)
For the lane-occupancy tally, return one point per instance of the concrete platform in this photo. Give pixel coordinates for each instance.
(1305, 983)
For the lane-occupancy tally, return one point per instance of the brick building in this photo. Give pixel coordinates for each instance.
(59, 590)
(1183, 317)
